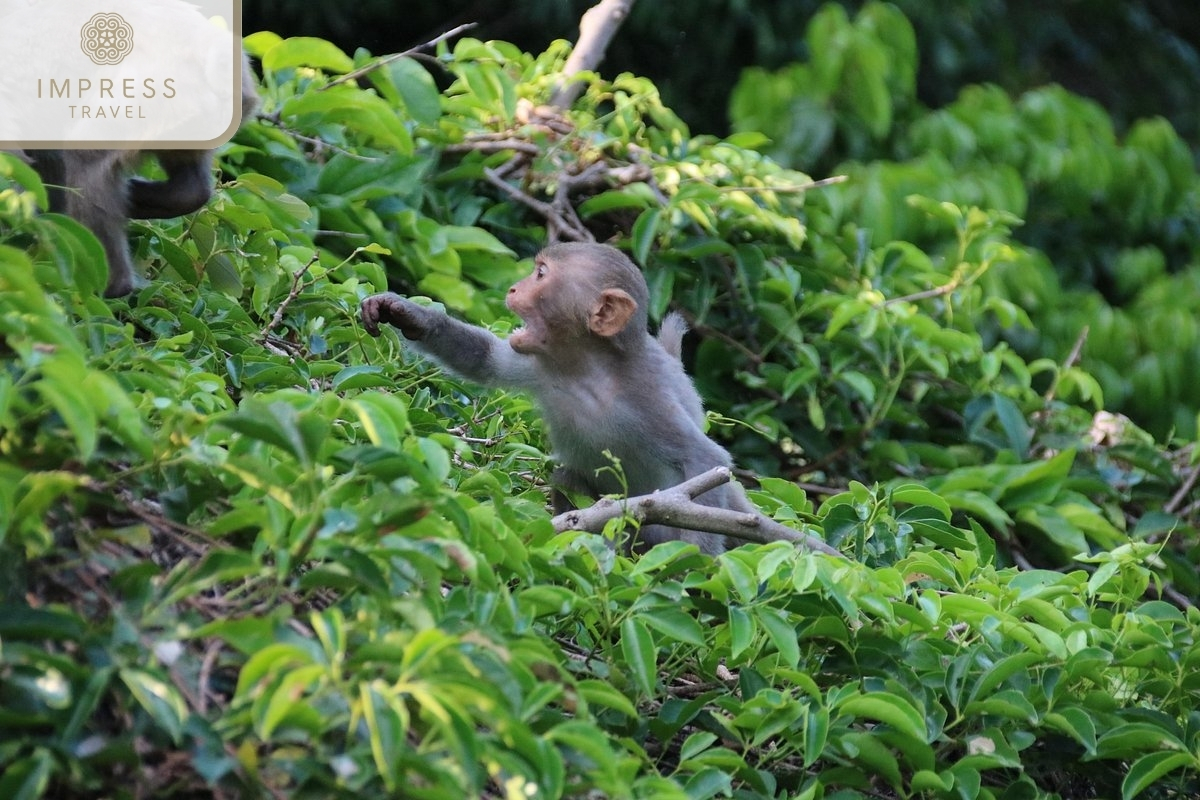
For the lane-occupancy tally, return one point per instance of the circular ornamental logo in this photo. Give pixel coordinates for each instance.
(106, 38)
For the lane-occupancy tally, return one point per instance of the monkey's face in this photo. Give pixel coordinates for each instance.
(566, 306)
(528, 299)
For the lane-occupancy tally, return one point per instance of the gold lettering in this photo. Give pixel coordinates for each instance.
(169, 88)
(84, 86)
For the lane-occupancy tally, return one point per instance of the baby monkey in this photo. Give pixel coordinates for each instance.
(601, 381)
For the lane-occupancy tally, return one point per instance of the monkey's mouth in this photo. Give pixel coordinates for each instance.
(527, 339)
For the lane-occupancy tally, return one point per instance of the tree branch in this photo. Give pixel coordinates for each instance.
(379, 62)
(596, 29)
(678, 508)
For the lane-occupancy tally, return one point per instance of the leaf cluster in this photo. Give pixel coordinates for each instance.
(1109, 235)
(247, 550)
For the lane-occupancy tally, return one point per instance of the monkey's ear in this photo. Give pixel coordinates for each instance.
(612, 312)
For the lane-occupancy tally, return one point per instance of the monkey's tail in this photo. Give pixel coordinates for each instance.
(670, 333)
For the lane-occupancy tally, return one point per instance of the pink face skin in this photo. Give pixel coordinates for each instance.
(523, 300)
(563, 311)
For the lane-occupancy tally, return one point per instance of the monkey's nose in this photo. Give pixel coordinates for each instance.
(512, 289)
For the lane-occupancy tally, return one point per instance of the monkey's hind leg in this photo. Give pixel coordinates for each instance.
(96, 196)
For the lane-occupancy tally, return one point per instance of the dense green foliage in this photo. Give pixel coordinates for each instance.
(1111, 224)
(1137, 58)
(246, 549)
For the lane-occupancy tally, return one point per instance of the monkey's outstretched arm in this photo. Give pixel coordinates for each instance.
(469, 351)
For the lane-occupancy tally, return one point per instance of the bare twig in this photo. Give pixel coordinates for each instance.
(938, 291)
(354, 75)
(1184, 490)
(802, 187)
(596, 29)
(1072, 360)
(560, 224)
(490, 145)
(287, 301)
(677, 507)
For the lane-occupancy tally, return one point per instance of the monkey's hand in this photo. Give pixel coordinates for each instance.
(414, 321)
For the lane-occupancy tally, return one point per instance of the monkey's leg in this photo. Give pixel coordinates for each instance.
(562, 481)
(186, 189)
(96, 197)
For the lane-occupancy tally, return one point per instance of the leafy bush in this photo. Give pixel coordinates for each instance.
(1110, 223)
(248, 549)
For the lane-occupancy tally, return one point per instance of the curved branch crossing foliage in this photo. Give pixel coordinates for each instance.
(676, 507)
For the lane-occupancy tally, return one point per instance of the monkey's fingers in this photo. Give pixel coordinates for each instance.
(369, 311)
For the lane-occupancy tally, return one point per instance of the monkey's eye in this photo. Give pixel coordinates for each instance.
(540, 272)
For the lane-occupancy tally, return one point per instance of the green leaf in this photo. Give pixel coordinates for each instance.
(361, 376)
(1076, 723)
(419, 90)
(675, 624)
(645, 231)
(782, 633)
(63, 388)
(1146, 771)
(873, 754)
(1056, 527)
(355, 179)
(160, 700)
(599, 693)
(284, 700)
(280, 424)
(917, 495)
(20, 622)
(387, 724)
(901, 715)
(640, 654)
(27, 778)
(741, 631)
(384, 418)
(1009, 703)
(305, 51)
(219, 565)
(709, 782)
(1001, 671)
(695, 744)
(462, 237)
(362, 113)
(1132, 738)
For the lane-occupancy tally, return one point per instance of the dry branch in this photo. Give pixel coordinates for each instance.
(678, 508)
(596, 29)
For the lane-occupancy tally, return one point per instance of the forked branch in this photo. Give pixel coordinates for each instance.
(678, 508)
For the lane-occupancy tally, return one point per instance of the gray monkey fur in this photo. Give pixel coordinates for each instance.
(630, 398)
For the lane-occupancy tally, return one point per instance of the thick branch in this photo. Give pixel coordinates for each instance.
(596, 29)
(678, 508)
